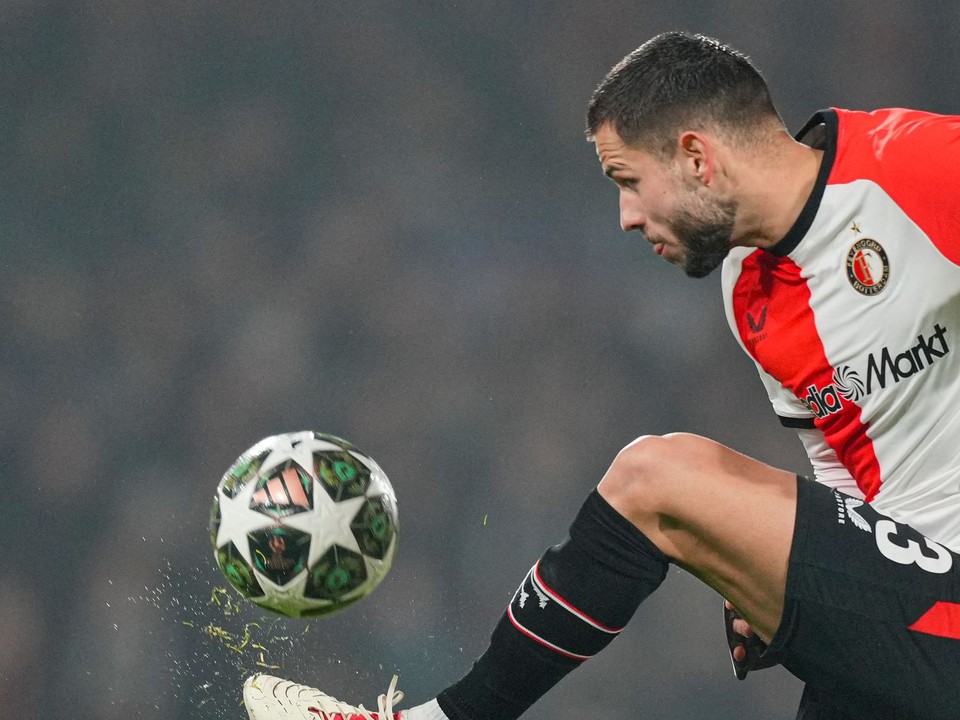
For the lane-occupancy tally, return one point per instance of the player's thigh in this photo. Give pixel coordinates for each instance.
(725, 517)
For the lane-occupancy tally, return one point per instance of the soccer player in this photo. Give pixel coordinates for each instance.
(840, 252)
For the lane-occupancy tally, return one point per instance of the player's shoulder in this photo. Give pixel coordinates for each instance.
(885, 144)
(885, 131)
(890, 120)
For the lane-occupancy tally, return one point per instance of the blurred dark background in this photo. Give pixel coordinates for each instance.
(378, 220)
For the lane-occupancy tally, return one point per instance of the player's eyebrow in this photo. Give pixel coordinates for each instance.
(611, 170)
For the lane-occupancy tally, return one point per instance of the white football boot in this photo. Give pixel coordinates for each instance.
(270, 698)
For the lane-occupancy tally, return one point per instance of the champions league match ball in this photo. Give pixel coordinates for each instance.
(304, 524)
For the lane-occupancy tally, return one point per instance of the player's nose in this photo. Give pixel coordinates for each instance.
(631, 216)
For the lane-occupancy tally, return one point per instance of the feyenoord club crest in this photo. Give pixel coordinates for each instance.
(867, 267)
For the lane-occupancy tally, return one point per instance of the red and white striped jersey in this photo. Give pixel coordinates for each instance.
(853, 317)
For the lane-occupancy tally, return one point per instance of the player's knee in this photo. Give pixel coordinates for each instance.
(644, 474)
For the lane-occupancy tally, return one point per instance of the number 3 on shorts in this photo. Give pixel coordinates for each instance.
(912, 553)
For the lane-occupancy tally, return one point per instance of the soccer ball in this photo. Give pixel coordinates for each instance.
(304, 524)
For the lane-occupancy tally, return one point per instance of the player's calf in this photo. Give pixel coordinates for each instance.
(570, 606)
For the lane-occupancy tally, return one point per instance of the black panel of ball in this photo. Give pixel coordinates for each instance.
(238, 572)
(337, 573)
(279, 553)
(341, 474)
(241, 472)
(373, 527)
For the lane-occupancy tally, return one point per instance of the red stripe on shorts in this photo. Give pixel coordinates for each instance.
(942, 620)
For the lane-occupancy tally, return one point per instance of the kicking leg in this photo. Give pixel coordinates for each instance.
(679, 498)
(724, 517)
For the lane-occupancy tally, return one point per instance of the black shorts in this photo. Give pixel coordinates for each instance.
(872, 611)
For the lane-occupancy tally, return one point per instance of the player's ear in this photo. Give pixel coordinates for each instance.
(697, 156)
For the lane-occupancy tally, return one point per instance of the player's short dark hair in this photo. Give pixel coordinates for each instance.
(677, 81)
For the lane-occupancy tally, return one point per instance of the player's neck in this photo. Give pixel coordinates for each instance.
(776, 193)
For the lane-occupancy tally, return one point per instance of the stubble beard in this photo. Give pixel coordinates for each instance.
(705, 232)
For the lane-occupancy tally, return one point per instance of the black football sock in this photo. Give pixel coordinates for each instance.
(571, 604)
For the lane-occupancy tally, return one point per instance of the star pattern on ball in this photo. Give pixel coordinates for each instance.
(298, 447)
(237, 519)
(328, 523)
(288, 598)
